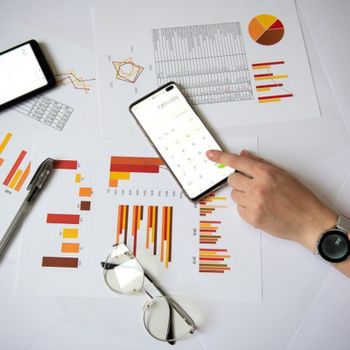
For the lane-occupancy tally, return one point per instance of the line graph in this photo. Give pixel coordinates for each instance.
(71, 77)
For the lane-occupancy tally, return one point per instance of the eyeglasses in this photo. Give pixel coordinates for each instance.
(163, 317)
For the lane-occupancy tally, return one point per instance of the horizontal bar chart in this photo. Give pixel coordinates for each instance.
(122, 167)
(85, 205)
(208, 232)
(70, 247)
(70, 233)
(65, 262)
(65, 164)
(85, 191)
(73, 219)
(210, 204)
(269, 78)
(212, 260)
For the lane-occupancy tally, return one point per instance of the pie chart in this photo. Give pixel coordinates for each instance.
(266, 29)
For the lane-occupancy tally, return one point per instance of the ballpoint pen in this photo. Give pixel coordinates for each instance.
(35, 186)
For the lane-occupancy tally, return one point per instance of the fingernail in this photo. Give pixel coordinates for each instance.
(210, 154)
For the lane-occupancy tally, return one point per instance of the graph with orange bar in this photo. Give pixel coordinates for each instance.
(210, 204)
(121, 168)
(18, 172)
(269, 81)
(155, 232)
(212, 258)
(67, 249)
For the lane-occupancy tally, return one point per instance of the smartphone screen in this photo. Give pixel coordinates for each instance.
(181, 139)
(22, 71)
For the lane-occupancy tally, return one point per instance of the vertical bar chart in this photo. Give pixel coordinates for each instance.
(154, 232)
(121, 168)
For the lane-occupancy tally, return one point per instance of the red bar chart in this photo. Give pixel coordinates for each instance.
(121, 168)
(155, 232)
(270, 81)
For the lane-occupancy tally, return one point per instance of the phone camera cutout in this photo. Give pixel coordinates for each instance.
(169, 88)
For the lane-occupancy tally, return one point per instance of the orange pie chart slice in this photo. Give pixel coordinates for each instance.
(266, 29)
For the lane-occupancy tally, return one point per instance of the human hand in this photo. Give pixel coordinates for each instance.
(270, 199)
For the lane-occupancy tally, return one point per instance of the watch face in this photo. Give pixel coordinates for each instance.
(334, 246)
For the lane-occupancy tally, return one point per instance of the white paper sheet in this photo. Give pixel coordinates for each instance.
(70, 109)
(208, 49)
(96, 232)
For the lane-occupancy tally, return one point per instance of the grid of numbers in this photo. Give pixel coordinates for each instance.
(208, 61)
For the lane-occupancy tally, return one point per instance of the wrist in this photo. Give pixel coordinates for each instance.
(325, 219)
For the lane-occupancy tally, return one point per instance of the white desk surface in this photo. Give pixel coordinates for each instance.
(305, 302)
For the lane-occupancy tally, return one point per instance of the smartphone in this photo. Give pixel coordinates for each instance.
(181, 139)
(24, 73)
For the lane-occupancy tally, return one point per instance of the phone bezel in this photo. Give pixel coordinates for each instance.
(209, 190)
(51, 82)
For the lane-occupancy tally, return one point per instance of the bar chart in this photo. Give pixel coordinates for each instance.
(66, 228)
(121, 168)
(269, 79)
(212, 259)
(154, 233)
(18, 173)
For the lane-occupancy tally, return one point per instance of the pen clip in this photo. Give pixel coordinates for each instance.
(41, 174)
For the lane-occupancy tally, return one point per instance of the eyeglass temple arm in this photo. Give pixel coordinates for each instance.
(185, 316)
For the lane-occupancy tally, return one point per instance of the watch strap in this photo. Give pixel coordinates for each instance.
(343, 223)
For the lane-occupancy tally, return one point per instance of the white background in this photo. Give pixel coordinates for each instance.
(306, 304)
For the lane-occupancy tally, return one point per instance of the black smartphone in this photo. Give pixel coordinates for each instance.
(181, 139)
(24, 72)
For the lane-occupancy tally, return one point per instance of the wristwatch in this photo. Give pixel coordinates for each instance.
(334, 244)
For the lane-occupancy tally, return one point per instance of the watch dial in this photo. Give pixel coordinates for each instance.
(334, 246)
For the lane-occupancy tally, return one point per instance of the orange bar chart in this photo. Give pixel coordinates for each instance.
(213, 260)
(210, 204)
(17, 176)
(157, 234)
(122, 167)
(5, 141)
(267, 80)
(208, 232)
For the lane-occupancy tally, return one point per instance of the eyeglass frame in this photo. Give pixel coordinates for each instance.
(172, 303)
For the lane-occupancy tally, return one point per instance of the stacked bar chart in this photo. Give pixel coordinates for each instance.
(121, 168)
(155, 232)
(269, 83)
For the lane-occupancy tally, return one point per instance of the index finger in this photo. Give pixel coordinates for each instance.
(235, 161)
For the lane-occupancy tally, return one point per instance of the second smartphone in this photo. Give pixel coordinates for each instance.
(181, 139)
